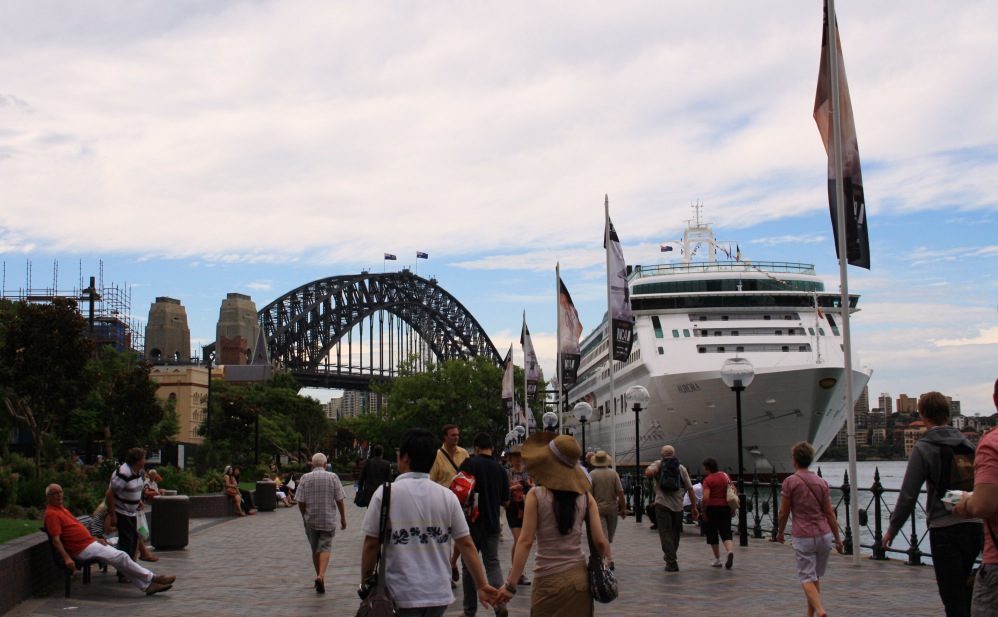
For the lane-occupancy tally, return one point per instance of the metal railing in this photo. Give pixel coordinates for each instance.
(876, 506)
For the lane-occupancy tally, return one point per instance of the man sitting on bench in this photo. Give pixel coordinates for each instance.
(74, 541)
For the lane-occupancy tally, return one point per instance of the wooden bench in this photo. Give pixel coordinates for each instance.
(80, 565)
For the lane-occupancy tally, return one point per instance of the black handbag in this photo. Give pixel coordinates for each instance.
(377, 602)
(602, 582)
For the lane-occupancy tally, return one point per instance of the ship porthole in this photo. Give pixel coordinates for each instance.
(827, 382)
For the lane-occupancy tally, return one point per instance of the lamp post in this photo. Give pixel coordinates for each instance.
(550, 421)
(582, 411)
(737, 374)
(638, 397)
(211, 362)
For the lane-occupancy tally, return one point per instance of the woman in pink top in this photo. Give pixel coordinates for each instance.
(554, 513)
(807, 497)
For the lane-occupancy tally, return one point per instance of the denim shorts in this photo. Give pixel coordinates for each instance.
(812, 556)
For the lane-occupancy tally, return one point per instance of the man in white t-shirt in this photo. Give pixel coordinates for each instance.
(426, 523)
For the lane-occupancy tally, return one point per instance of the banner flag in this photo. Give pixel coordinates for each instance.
(390, 257)
(531, 366)
(507, 384)
(857, 237)
(422, 255)
(621, 316)
(569, 331)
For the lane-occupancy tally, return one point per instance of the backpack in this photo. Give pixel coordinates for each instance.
(668, 475)
(956, 469)
(463, 485)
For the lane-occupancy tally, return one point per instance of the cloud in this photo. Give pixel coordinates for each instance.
(988, 336)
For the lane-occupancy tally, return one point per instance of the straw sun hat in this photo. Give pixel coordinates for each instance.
(601, 459)
(553, 461)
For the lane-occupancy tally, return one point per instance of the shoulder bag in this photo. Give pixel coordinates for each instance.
(731, 495)
(602, 582)
(378, 603)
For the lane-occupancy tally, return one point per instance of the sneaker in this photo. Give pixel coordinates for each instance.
(502, 611)
(729, 561)
(164, 579)
(523, 580)
(672, 568)
(157, 588)
(716, 563)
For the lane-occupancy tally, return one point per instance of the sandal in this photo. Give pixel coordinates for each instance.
(149, 557)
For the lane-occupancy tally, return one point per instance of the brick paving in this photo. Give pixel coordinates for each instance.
(260, 565)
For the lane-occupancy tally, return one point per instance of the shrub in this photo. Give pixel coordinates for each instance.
(31, 492)
(8, 487)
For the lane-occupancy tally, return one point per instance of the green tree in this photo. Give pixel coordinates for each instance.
(43, 354)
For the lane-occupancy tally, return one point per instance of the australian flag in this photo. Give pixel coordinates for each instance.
(390, 257)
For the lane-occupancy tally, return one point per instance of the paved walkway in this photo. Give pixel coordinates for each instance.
(260, 565)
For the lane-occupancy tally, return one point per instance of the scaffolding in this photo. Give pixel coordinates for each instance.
(107, 308)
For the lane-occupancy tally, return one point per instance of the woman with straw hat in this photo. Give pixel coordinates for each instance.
(554, 514)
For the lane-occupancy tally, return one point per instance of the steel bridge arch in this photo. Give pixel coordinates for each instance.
(303, 326)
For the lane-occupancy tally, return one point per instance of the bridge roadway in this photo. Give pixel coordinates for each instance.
(260, 565)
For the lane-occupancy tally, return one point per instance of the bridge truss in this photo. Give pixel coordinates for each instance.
(345, 331)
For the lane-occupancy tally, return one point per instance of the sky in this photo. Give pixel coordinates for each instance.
(195, 148)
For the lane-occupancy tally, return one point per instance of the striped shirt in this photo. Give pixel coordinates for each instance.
(319, 490)
(127, 486)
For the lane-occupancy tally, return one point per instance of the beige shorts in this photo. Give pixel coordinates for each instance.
(320, 541)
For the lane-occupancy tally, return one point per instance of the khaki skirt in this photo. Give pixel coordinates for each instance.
(564, 594)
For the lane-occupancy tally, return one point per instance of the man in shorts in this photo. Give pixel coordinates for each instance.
(317, 491)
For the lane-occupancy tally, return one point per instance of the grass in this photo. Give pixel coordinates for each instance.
(15, 528)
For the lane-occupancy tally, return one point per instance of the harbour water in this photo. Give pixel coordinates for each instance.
(891, 472)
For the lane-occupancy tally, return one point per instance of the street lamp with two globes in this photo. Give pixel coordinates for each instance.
(737, 374)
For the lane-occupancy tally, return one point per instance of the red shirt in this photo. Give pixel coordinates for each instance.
(74, 536)
(717, 482)
(986, 472)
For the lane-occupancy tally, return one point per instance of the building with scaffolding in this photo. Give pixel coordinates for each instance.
(106, 307)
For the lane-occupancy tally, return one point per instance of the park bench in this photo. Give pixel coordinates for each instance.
(80, 565)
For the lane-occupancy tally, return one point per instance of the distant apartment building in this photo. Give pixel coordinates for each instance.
(878, 419)
(333, 408)
(912, 434)
(906, 404)
(954, 407)
(885, 403)
(355, 403)
(878, 437)
(862, 410)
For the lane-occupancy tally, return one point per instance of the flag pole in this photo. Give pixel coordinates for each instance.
(557, 308)
(840, 220)
(612, 403)
(526, 407)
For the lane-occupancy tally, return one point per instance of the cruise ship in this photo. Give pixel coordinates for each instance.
(691, 316)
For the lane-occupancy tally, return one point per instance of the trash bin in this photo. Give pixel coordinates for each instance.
(170, 524)
(266, 496)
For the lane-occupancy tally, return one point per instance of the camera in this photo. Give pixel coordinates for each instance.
(364, 589)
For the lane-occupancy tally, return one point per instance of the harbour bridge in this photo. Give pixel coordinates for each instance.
(346, 331)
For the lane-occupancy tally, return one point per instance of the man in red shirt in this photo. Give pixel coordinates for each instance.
(73, 541)
(983, 504)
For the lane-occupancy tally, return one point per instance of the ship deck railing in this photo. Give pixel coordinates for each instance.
(763, 493)
(696, 267)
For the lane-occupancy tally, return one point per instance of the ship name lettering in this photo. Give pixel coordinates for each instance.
(686, 388)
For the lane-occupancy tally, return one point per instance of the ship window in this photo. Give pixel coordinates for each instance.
(675, 334)
(803, 347)
(734, 333)
(701, 349)
(657, 325)
(739, 349)
(786, 348)
(686, 333)
(811, 330)
(661, 351)
(717, 333)
(724, 318)
(720, 350)
(766, 317)
(788, 317)
(821, 331)
(703, 318)
(779, 333)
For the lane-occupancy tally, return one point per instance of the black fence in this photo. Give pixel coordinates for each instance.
(876, 504)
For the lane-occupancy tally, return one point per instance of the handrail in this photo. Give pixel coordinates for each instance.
(876, 502)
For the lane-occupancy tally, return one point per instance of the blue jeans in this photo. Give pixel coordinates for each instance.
(954, 550)
(425, 611)
(488, 545)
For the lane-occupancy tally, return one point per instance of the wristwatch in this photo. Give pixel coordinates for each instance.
(510, 587)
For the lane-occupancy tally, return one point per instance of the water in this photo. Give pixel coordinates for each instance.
(891, 472)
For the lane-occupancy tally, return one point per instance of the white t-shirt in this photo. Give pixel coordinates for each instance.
(424, 519)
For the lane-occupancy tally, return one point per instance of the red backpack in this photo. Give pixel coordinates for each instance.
(463, 486)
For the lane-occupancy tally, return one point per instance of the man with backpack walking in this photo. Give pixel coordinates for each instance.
(671, 482)
(942, 458)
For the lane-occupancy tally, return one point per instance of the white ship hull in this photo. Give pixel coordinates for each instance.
(689, 319)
